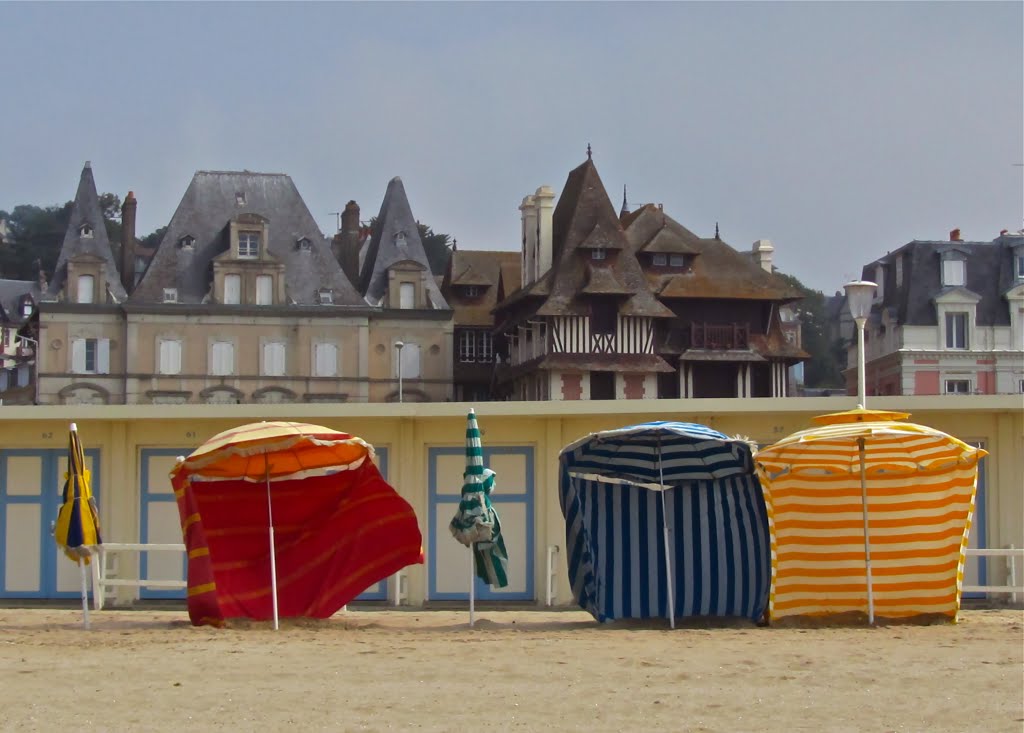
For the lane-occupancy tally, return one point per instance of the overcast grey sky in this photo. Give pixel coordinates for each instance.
(840, 131)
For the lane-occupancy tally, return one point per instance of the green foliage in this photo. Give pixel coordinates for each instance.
(824, 369)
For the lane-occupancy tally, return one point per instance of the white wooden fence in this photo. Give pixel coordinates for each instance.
(1012, 577)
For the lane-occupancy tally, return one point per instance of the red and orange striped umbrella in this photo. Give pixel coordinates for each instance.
(868, 512)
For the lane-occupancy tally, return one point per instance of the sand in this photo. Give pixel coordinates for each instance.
(375, 670)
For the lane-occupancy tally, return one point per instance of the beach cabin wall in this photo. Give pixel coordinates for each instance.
(131, 448)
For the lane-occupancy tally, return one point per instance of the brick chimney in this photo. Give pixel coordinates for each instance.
(954, 235)
(128, 209)
(345, 243)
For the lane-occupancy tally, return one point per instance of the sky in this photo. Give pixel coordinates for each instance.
(839, 131)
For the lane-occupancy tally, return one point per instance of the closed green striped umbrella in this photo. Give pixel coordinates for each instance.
(476, 523)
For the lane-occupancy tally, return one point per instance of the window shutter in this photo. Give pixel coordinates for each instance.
(85, 289)
(232, 289)
(103, 356)
(273, 359)
(264, 290)
(325, 360)
(223, 357)
(78, 356)
(411, 361)
(406, 295)
(170, 357)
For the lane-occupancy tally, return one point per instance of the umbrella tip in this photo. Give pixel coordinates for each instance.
(180, 459)
(74, 428)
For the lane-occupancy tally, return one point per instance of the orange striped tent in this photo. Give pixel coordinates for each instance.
(288, 519)
(868, 514)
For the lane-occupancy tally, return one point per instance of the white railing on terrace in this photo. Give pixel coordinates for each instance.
(101, 571)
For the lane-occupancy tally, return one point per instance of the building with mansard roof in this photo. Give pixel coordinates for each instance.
(634, 305)
(242, 301)
(947, 318)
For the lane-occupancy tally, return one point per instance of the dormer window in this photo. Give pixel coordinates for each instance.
(1019, 262)
(188, 242)
(472, 291)
(170, 295)
(240, 198)
(598, 253)
(325, 296)
(659, 259)
(304, 244)
(400, 239)
(248, 245)
(26, 308)
(954, 271)
(880, 281)
(85, 231)
(899, 272)
(676, 260)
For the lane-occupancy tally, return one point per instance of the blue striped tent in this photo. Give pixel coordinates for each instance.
(630, 494)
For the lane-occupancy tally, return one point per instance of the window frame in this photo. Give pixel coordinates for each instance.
(170, 355)
(953, 320)
(956, 274)
(252, 241)
(957, 381)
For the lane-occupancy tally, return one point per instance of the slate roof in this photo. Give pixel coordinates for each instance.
(205, 212)
(484, 269)
(716, 270)
(86, 210)
(11, 292)
(387, 249)
(989, 274)
(583, 219)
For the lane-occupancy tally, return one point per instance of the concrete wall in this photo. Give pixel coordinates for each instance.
(411, 431)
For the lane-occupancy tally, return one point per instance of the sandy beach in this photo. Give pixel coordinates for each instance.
(372, 670)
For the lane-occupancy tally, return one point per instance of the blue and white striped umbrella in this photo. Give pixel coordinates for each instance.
(705, 491)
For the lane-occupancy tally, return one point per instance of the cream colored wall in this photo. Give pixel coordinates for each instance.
(435, 339)
(410, 430)
(54, 356)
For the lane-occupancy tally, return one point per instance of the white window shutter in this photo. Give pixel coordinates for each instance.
(325, 360)
(103, 356)
(170, 356)
(232, 289)
(273, 359)
(223, 357)
(406, 295)
(78, 356)
(411, 361)
(85, 288)
(264, 290)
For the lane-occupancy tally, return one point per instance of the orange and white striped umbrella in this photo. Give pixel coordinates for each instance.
(867, 512)
(284, 450)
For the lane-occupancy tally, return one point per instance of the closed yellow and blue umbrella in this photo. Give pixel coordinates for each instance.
(77, 530)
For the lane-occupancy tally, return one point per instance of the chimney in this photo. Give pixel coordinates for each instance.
(954, 236)
(762, 253)
(528, 214)
(346, 242)
(545, 199)
(128, 241)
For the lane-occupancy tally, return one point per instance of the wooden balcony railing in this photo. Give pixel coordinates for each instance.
(716, 336)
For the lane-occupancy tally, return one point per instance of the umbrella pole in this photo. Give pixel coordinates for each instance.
(867, 539)
(85, 593)
(668, 559)
(472, 581)
(273, 556)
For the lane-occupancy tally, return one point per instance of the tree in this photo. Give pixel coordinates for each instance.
(824, 369)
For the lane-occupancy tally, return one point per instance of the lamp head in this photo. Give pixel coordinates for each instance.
(399, 345)
(858, 297)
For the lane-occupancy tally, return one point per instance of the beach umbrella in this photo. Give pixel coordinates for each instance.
(656, 455)
(343, 526)
(77, 529)
(476, 523)
(863, 478)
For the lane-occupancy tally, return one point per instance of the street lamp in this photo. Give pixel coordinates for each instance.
(398, 356)
(859, 294)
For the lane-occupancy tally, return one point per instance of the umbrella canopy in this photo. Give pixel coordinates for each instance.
(337, 526)
(78, 522)
(476, 523)
(912, 487)
(704, 489)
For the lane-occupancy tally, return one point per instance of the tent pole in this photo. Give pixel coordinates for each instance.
(472, 581)
(867, 539)
(668, 558)
(273, 556)
(85, 593)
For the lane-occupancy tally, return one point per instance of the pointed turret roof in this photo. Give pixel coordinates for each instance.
(86, 235)
(212, 200)
(585, 219)
(396, 239)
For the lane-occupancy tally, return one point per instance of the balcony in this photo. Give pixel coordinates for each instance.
(713, 336)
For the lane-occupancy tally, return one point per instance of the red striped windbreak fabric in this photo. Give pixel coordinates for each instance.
(920, 488)
(335, 536)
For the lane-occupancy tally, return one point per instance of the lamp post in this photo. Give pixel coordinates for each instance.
(858, 298)
(398, 356)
